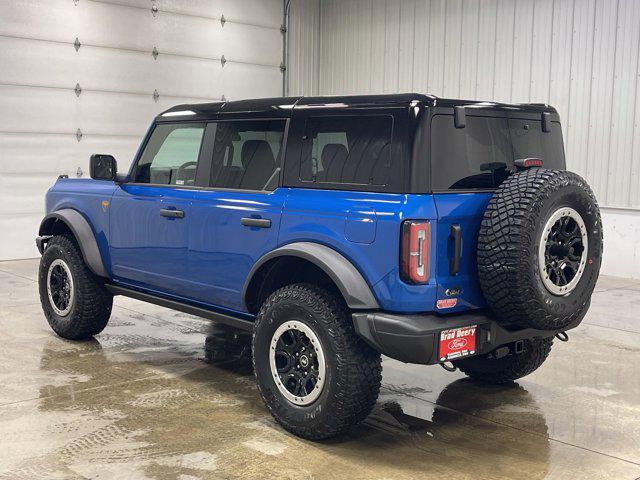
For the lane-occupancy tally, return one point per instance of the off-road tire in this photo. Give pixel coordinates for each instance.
(353, 368)
(488, 369)
(508, 241)
(91, 302)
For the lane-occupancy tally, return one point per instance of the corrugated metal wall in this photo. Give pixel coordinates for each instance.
(581, 56)
(304, 46)
(114, 65)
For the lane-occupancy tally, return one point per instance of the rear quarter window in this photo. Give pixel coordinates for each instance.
(347, 150)
(480, 155)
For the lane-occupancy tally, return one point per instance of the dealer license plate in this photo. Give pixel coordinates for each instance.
(457, 342)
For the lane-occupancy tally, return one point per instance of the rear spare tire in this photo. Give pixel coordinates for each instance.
(540, 249)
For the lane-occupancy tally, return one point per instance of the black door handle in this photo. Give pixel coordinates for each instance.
(256, 222)
(166, 212)
(455, 235)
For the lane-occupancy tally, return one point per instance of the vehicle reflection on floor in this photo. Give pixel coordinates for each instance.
(401, 415)
(163, 395)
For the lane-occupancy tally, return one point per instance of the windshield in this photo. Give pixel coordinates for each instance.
(482, 154)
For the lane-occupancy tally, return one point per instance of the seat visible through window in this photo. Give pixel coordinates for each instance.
(334, 157)
(348, 150)
(246, 154)
(258, 163)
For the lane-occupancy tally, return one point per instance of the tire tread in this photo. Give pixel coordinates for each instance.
(358, 366)
(93, 303)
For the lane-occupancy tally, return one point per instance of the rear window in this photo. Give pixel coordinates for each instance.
(347, 150)
(481, 154)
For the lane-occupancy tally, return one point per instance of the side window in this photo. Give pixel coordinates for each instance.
(246, 154)
(171, 155)
(353, 150)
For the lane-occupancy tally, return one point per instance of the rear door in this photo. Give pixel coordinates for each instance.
(467, 164)
(236, 217)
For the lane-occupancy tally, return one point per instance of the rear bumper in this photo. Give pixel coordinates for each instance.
(416, 338)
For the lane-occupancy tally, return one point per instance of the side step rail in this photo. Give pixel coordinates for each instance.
(182, 307)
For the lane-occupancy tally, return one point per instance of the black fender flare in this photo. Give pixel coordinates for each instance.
(345, 275)
(83, 233)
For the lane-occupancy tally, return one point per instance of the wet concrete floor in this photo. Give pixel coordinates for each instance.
(163, 395)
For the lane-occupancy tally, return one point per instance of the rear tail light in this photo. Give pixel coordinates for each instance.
(414, 255)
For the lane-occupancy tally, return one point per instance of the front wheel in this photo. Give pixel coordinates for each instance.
(492, 369)
(316, 376)
(74, 300)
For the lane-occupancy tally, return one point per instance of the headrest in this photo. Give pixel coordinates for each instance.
(256, 150)
(332, 152)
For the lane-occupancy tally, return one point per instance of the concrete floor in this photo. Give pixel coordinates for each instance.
(160, 394)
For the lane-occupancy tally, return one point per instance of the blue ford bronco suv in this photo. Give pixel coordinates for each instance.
(337, 229)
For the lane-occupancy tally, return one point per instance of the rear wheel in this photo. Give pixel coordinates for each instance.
(493, 369)
(316, 376)
(74, 300)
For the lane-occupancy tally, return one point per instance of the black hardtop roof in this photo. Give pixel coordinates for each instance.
(281, 107)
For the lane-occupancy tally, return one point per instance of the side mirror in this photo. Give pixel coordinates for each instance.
(103, 167)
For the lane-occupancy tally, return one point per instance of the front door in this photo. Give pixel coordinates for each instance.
(150, 216)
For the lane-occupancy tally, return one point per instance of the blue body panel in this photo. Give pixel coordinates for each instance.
(365, 228)
(205, 257)
(149, 250)
(222, 250)
(86, 196)
(465, 210)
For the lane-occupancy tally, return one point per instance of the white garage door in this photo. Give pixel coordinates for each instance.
(131, 60)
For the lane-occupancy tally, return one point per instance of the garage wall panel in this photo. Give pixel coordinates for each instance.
(523, 22)
(541, 54)
(560, 55)
(469, 45)
(435, 79)
(624, 119)
(118, 74)
(486, 59)
(421, 42)
(406, 39)
(502, 80)
(54, 110)
(256, 12)
(50, 155)
(304, 47)
(391, 48)
(582, 56)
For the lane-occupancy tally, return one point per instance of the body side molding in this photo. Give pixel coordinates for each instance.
(347, 278)
(83, 233)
